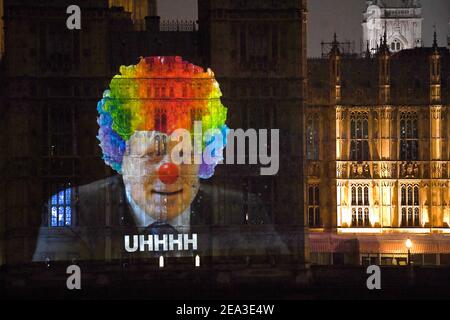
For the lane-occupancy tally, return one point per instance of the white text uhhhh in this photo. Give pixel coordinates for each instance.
(164, 242)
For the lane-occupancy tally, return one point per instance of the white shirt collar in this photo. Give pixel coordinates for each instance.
(182, 223)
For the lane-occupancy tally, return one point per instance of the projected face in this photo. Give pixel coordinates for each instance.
(161, 188)
(144, 104)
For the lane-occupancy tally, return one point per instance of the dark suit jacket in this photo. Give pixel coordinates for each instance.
(103, 217)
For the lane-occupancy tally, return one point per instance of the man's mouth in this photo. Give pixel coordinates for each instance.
(166, 193)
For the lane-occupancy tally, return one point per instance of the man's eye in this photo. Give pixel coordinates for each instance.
(153, 159)
(161, 146)
(151, 154)
(161, 149)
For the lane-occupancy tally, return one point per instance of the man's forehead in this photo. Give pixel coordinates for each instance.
(147, 135)
(140, 141)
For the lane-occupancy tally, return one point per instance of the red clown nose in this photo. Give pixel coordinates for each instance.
(168, 173)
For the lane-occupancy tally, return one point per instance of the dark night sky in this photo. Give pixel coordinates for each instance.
(181, 9)
(329, 16)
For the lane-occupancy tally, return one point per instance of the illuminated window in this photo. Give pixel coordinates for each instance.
(409, 137)
(312, 138)
(359, 136)
(360, 206)
(60, 205)
(410, 210)
(314, 207)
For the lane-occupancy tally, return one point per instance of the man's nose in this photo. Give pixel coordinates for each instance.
(168, 173)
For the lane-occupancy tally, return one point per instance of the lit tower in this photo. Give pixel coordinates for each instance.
(384, 59)
(340, 141)
(386, 146)
(437, 136)
(335, 72)
(402, 21)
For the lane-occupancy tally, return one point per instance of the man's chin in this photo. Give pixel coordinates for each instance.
(167, 206)
(167, 214)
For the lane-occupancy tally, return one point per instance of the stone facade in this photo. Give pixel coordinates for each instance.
(401, 19)
(258, 52)
(385, 119)
(56, 77)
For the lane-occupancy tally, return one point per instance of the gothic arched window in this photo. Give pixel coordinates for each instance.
(410, 210)
(360, 206)
(312, 138)
(359, 133)
(396, 45)
(60, 127)
(161, 121)
(314, 207)
(60, 206)
(409, 137)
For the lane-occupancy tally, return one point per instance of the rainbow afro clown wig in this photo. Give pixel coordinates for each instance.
(159, 94)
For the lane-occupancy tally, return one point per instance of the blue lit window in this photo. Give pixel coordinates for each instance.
(61, 208)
